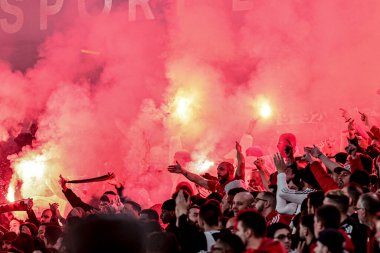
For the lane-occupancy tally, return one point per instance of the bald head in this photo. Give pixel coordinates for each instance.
(242, 200)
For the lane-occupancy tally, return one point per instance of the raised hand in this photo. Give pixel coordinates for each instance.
(364, 118)
(307, 157)
(259, 163)
(279, 163)
(114, 182)
(63, 181)
(314, 151)
(345, 114)
(177, 168)
(238, 147)
(28, 203)
(182, 204)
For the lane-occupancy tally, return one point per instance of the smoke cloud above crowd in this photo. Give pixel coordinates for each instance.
(122, 94)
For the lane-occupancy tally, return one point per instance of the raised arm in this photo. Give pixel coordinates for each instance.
(240, 170)
(73, 199)
(260, 165)
(177, 168)
(317, 153)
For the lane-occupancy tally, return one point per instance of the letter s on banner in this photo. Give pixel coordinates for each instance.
(14, 11)
(48, 10)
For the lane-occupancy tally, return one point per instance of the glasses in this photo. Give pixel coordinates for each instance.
(358, 208)
(258, 199)
(282, 237)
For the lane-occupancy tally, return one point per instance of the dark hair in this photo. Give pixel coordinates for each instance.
(235, 191)
(271, 197)
(210, 213)
(308, 177)
(168, 205)
(151, 213)
(162, 242)
(216, 196)
(308, 222)
(361, 177)
(338, 198)
(272, 229)
(354, 192)
(254, 193)
(251, 219)
(52, 233)
(316, 199)
(329, 216)
(233, 241)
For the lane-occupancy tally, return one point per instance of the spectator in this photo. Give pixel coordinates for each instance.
(280, 232)
(330, 241)
(251, 228)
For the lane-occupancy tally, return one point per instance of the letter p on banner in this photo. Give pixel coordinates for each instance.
(48, 10)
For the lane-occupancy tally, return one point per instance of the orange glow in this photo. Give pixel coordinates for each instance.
(11, 192)
(31, 167)
(184, 107)
(262, 107)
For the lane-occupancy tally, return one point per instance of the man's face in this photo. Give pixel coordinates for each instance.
(144, 217)
(239, 203)
(14, 226)
(260, 203)
(166, 216)
(41, 232)
(26, 230)
(317, 226)
(46, 216)
(242, 232)
(320, 248)
(377, 235)
(361, 212)
(223, 174)
(231, 224)
(283, 236)
(343, 178)
(193, 215)
(303, 232)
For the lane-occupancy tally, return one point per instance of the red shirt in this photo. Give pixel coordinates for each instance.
(215, 186)
(268, 246)
(275, 217)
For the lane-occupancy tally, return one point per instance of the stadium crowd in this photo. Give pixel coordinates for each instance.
(311, 203)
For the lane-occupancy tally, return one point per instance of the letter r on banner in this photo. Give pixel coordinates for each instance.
(48, 10)
(145, 7)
